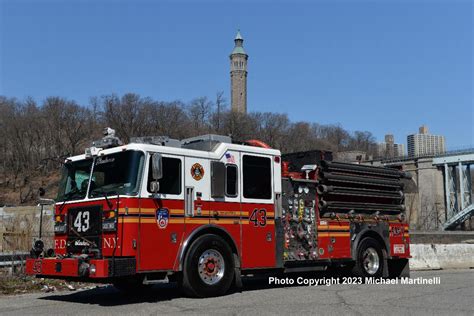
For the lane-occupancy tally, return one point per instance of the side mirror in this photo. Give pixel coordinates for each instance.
(157, 166)
(154, 186)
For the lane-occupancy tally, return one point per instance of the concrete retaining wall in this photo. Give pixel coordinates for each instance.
(441, 256)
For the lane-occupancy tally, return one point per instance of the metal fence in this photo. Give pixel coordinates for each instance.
(20, 226)
(14, 261)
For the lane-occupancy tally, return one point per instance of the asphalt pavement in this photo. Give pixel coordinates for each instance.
(454, 295)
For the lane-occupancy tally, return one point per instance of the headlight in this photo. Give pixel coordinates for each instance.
(92, 269)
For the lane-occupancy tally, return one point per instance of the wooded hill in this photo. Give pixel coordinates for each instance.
(35, 138)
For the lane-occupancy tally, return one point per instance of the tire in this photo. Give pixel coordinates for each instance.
(370, 260)
(208, 268)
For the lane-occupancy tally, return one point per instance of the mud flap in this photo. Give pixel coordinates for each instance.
(237, 274)
(399, 268)
(385, 273)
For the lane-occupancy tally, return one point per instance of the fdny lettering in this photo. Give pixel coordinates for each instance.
(60, 244)
(110, 242)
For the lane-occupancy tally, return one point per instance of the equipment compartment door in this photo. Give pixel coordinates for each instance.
(197, 192)
(299, 220)
(258, 212)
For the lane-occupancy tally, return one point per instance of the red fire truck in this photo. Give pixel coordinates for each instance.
(204, 211)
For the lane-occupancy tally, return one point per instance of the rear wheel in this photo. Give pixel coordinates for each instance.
(208, 267)
(370, 260)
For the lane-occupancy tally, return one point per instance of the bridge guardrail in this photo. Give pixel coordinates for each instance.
(12, 259)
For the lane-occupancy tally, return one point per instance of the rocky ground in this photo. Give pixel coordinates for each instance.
(11, 285)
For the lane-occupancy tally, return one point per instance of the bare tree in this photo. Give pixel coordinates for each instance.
(200, 113)
(34, 139)
(220, 107)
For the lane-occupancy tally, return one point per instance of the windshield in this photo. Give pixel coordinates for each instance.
(112, 174)
(74, 180)
(116, 174)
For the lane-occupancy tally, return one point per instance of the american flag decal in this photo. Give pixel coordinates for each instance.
(230, 158)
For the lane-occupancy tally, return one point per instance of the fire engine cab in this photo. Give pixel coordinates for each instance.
(203, 211)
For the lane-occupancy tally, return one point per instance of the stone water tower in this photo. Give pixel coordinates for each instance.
(238, 76)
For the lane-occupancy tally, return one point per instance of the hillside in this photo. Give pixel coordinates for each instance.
(36, 138)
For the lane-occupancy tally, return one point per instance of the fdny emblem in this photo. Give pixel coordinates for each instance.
(197, 171)
(162, 217)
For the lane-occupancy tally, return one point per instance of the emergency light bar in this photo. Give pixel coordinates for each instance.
(108, 141)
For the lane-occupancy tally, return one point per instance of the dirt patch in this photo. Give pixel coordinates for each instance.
(11, 285)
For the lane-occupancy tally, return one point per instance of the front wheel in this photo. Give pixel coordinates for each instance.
(370, 260)
(208, 267)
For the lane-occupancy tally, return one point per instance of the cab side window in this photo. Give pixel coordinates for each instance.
(231, 180)
(257, 177)
(171, 181)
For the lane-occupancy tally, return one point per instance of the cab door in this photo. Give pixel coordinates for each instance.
(225, 205)
(161, 217)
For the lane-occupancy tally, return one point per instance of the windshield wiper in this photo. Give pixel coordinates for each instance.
(105, 195)
(68, 197)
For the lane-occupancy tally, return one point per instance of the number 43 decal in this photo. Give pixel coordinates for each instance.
(259, 217)
(82, 221)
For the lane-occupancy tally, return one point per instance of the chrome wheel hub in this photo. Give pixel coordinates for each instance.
(211, 266)
(371, 261)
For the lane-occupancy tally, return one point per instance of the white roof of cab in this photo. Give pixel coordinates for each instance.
(216, 154)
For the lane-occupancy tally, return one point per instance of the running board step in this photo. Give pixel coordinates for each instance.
(157, 281)
(306, 269)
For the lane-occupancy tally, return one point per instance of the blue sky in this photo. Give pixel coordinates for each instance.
(381, 66)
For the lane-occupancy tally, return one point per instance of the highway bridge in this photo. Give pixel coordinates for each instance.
(442, 197)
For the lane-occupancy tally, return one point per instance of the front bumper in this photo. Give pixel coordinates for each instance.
(79, 268)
